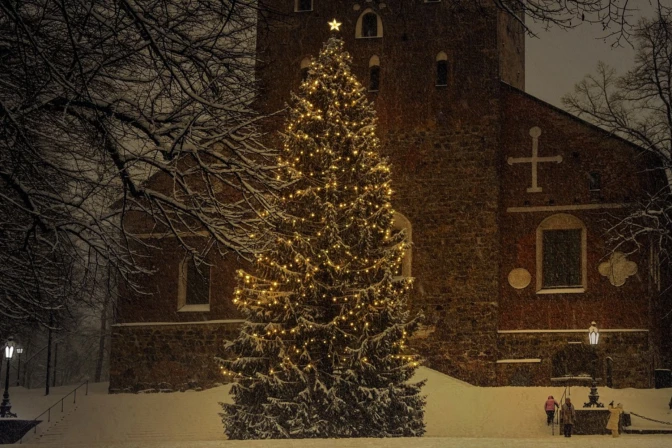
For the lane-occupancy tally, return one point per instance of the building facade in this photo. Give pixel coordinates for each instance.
(506, 199)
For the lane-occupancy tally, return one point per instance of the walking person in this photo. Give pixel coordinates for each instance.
(568, 415)
(549, 407)
(614, 418)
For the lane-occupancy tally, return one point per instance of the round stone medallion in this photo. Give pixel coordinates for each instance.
(519, 278)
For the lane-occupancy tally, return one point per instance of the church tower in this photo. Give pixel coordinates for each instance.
(433, 70)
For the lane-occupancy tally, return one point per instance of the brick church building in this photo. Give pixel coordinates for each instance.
(505, 198)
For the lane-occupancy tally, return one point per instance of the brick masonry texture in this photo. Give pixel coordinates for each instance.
(168, 358)
(448, 147)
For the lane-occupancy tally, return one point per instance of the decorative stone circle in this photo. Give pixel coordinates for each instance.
(519, 278)
(618, 268)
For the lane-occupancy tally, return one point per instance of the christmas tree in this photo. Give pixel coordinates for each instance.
(323, 351)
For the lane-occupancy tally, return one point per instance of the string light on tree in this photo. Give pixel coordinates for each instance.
(323, 351)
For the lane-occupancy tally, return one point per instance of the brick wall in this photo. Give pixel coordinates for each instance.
(168, 357)
(629, 351)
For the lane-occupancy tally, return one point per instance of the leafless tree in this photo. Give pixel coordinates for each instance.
(638, 107)
(111, 110)
(616, 17)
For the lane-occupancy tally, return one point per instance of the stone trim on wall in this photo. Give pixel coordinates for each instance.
(204, 322)
(602, 330)
(566, 208)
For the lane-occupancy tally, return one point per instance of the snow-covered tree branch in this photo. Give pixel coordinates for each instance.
(118, 118)
(638, 107)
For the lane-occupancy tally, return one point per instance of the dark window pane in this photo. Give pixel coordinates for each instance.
(595, 181)
(369, 25)
(442, 73)
(198, 284)
(562, 258)
(374, 81)
(305, 5)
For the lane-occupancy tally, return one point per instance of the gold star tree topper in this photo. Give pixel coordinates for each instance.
(335, 25)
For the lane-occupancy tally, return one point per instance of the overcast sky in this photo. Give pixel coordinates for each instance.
(557, 59)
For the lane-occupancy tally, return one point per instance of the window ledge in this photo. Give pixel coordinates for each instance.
(194, 308)
(369, 37)
(579, 290)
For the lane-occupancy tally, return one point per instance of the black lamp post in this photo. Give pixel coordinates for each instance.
(593, 396)
(19, 350)
(6, 406)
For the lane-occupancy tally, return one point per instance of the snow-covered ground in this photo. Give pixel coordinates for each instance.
(457, 415)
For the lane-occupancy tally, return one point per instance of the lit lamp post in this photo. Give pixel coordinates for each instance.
(19, 350)
(6, 406)
(593, 396)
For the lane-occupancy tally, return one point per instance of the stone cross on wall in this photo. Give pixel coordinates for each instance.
(535, 132)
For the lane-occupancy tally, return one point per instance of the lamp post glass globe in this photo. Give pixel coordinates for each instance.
(9, 348)
(593, 334)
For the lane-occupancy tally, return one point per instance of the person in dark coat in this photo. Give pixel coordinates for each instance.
(568, 416)
(549, 407)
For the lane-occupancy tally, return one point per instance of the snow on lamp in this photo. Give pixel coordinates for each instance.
(593, 334)
(9, 348)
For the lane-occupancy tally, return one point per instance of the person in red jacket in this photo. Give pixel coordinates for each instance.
(549, 407)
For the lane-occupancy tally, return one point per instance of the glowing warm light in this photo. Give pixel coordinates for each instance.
(335, 25)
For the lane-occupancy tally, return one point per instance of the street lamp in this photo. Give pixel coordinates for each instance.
(19, 350)
(593, 334)
(593, 339)
(6, 406)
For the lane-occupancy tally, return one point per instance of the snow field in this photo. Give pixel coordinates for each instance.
(457, 415)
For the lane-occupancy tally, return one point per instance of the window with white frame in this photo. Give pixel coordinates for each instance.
(561, 255)
(369, 25)
(305, 66)
(401, 223)
(193, 292)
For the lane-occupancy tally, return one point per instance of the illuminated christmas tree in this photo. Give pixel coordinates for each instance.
(323, 352)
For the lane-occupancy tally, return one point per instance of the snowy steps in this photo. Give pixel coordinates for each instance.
(51, 430)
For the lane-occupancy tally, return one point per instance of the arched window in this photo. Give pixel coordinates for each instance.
(193, 288)
(303, 5)
(305, 66)
(561, 255)
(374, 74)
(442, 69)
(369, 25)
(401, 223)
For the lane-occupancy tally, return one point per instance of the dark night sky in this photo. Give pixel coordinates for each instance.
(558, 59)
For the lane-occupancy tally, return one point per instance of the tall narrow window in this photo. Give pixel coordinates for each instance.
(194, 286)
(305, 66)
(401, 223)
(562, 258)
(442, 69)
(561, 255)
(374, 74)
(369, 25)
(595, 181)
(303, 5)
